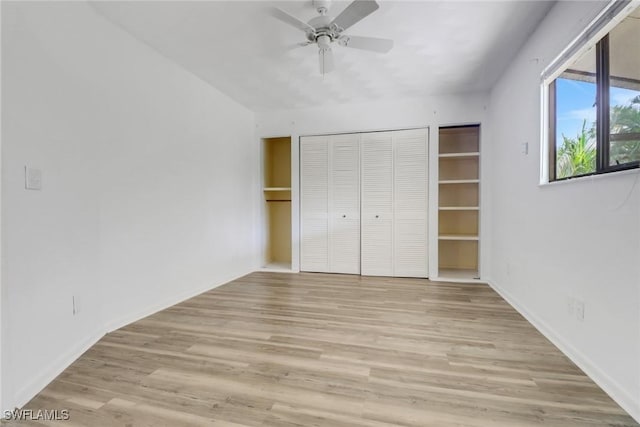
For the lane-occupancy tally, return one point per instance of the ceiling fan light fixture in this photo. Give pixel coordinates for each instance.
(323, 41)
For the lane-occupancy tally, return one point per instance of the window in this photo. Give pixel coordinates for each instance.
(624, 92)
(594, 107)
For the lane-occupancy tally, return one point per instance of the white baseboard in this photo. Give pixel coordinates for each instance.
(114, 324)
(626, 400)
(49, 373)
(276, 270)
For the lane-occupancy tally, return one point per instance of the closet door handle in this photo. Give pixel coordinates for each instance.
(377, 216)
(344, 216)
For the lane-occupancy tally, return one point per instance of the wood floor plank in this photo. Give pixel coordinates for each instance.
(277, 349)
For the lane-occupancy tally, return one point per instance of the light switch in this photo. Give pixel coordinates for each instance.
(32, 178)
(525, 148)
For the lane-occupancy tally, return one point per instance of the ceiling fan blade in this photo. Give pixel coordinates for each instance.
(326, 60)
(291, 20)
(356, 11)
(366, 43)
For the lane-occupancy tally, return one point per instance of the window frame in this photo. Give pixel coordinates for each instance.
(603, 115)
(596, 34)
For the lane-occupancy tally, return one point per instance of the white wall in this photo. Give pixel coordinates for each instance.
(385, 115)
(577, 239)
(147, 192)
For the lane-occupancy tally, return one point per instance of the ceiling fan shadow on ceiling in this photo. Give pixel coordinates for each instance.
(324, 30)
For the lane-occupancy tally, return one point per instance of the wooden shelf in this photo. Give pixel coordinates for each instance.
(458, 237)
(459, 181)
(459, 155)
(459, 208)
(277, 194)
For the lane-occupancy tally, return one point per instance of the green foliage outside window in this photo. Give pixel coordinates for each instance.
(577, 155)
(625, 120)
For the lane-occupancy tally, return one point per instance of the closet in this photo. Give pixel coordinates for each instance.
(277, 202)
(330, 204)
(364, 203)
(459, 202)
(394, 203)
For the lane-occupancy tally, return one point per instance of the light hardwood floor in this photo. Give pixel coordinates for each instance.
(277, 349)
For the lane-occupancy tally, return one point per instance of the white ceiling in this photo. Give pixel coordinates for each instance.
(440, 47)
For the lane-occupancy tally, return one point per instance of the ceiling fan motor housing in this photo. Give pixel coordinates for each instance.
(323, 30)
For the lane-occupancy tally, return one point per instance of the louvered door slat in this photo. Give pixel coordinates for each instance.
(377, 204)
(410, 203)
(344, 204)
(314, 208)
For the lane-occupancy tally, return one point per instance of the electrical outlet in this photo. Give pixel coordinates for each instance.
(571, 306)
(580, 310)
(32, 178)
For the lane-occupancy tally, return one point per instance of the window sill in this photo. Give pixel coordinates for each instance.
(593, 177)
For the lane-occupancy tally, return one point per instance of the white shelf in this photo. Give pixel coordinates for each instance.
(458, 274)
(458, 237)
(459, 208)
(459, 181)
(282, 267)
(276, 189)
(459, 155)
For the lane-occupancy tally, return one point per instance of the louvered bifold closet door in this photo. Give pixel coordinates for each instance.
(410, 203)
(376, 183)
(314, 204)
(344, 204)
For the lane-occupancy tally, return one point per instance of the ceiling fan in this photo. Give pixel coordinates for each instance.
(324, 30)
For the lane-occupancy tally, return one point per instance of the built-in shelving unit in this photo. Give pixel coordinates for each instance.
(459, 202)
(277, 199)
